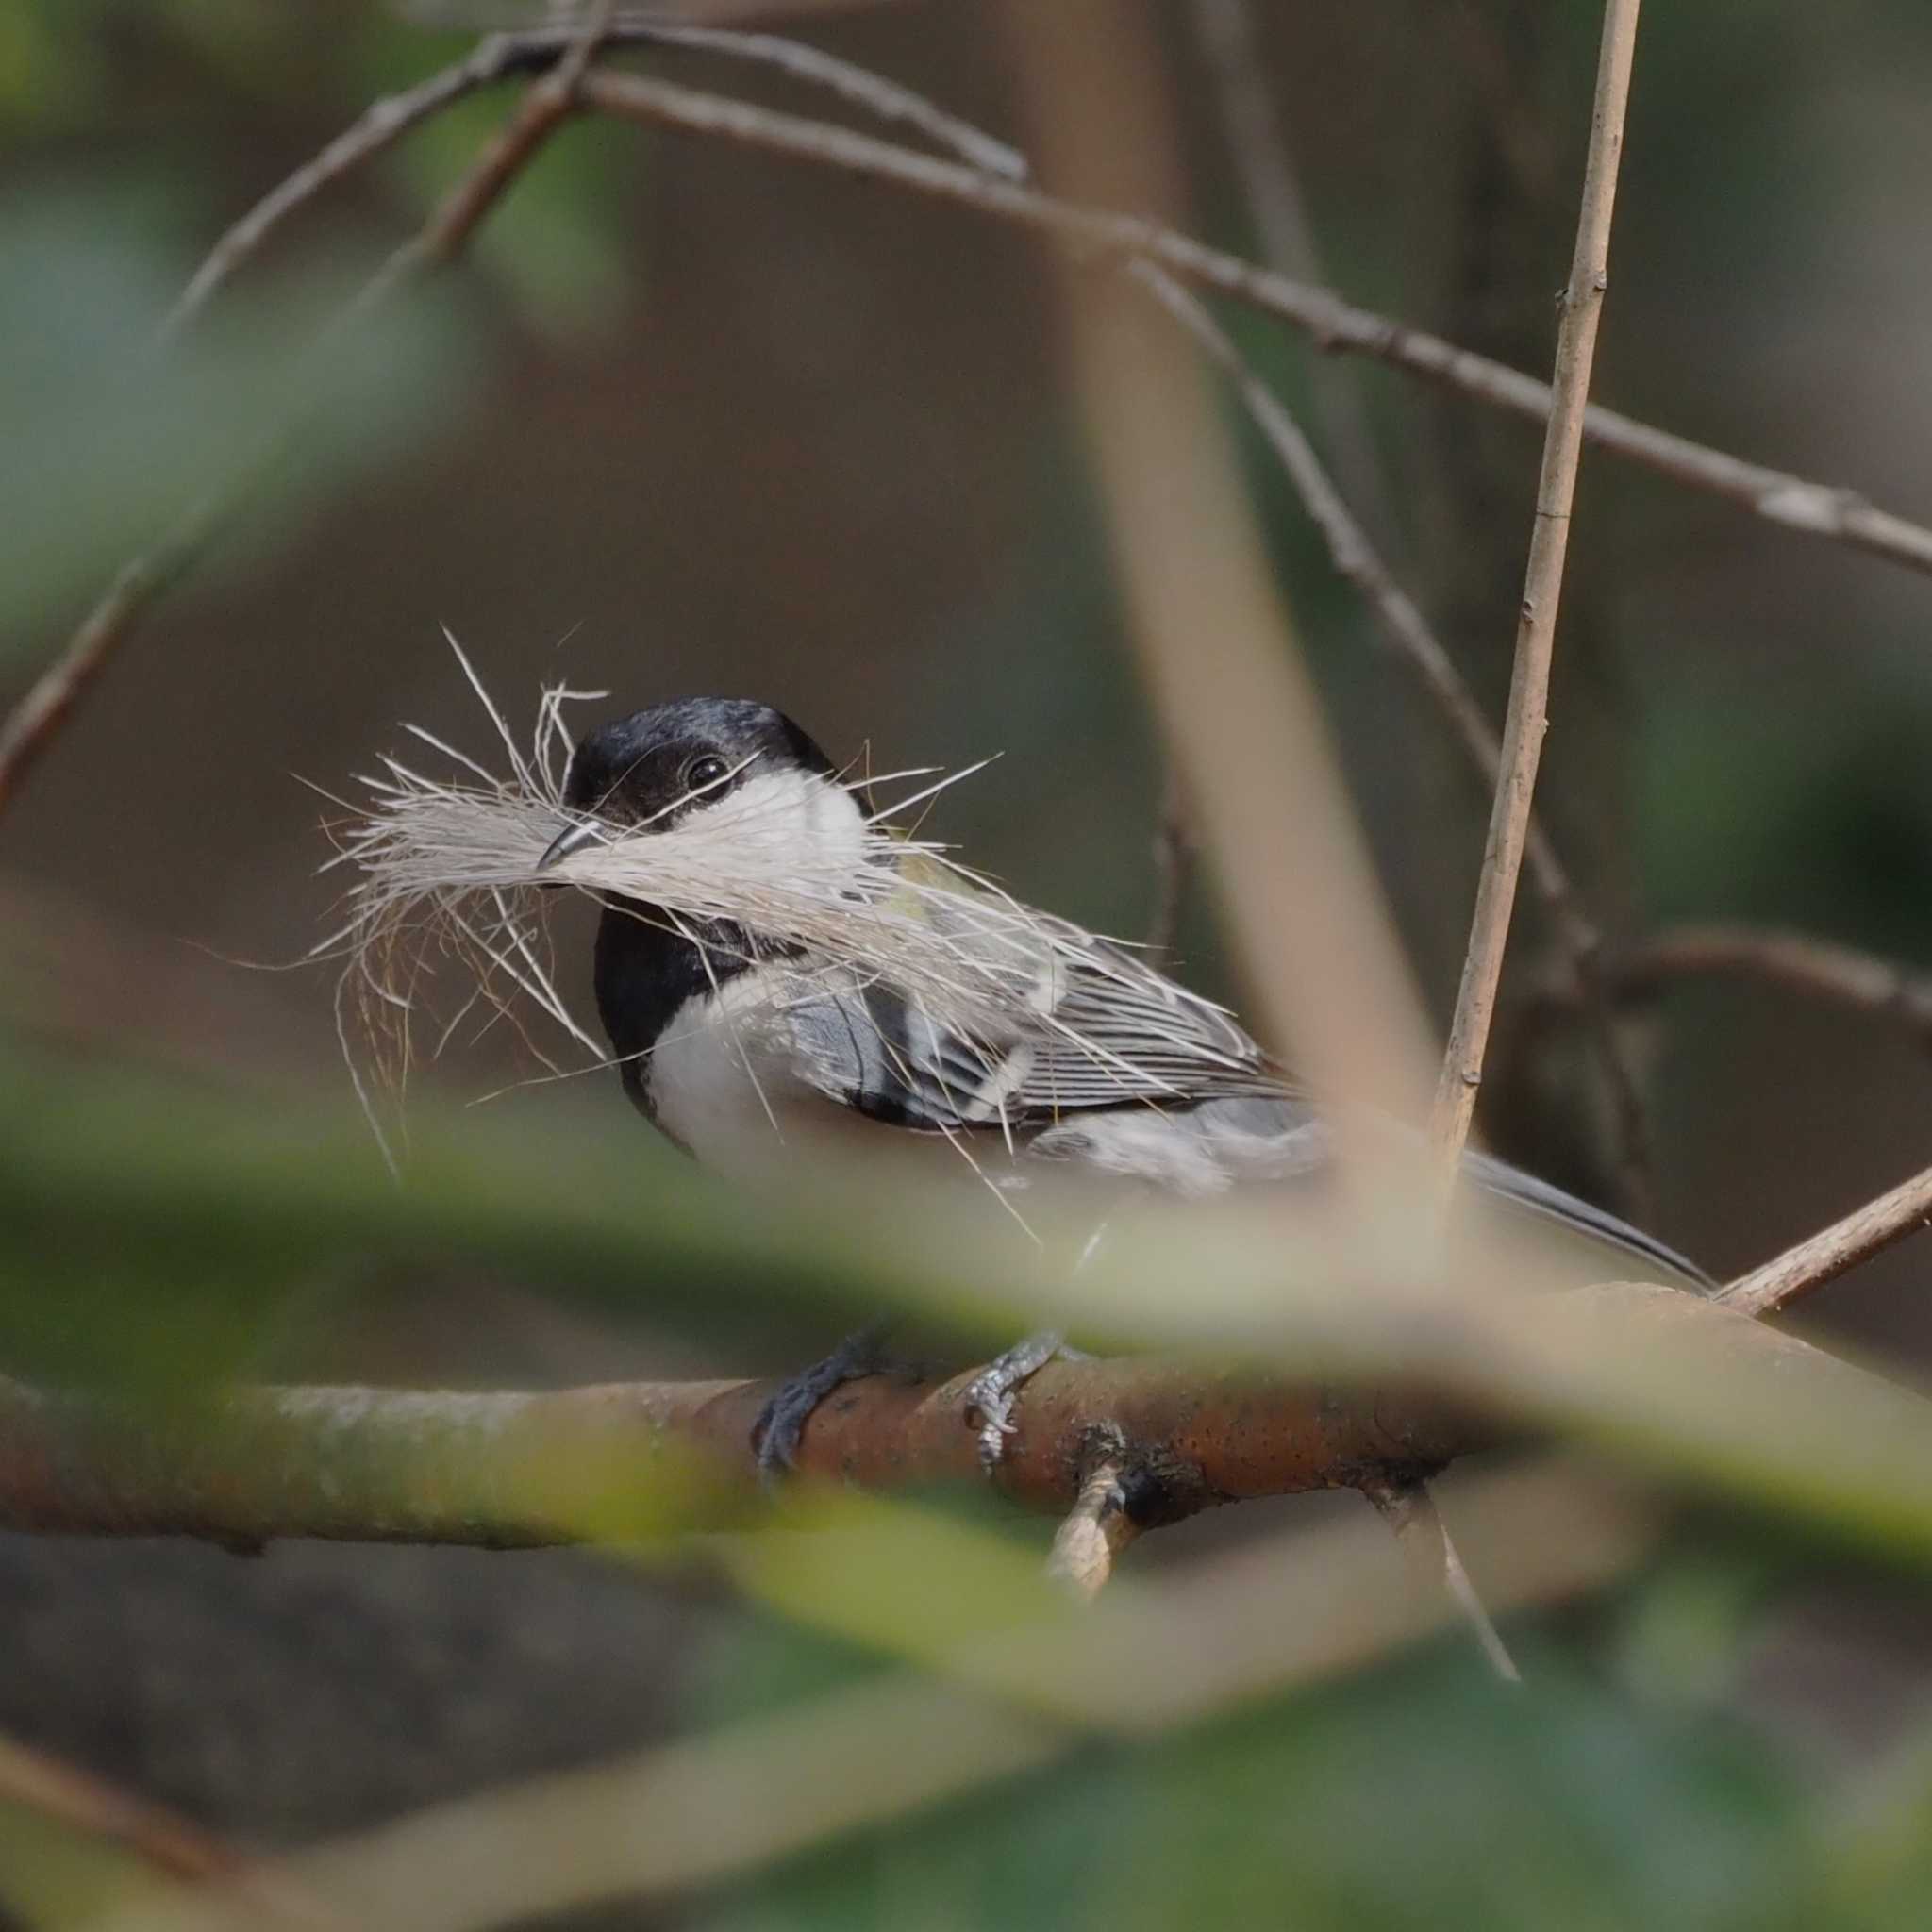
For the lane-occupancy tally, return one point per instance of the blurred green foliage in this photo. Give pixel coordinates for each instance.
(1414, 1796)
(154, 1234)
(108, 440)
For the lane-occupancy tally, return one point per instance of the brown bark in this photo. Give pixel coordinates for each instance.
(629, 1460)
(518, 1468)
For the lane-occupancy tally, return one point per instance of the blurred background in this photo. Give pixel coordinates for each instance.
(689, 421)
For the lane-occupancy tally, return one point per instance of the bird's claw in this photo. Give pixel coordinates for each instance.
(780, 1429)
(988, 1401)
(996, 1411)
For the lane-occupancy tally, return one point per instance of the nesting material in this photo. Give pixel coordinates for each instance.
(446, 858)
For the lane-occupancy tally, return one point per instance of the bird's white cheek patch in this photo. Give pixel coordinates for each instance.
(804, 825)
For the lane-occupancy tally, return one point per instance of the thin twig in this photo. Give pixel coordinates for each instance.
(1422, 1536)
(543, 109)
(1227, 31)
(1174, 851)
(1793, 502)
(504, 57)
(1527, 719)
(1795, 961)
(37, 718)
(1863, 1233)
(1355, 560)
(1216, 647)
(379, 127)
(84, 1803)
(34, 722)
(1797, 503)
(164, 1841)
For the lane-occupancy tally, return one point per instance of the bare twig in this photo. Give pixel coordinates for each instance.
(504, 57)
(176, 1846)
(1095, 1532)
(1215, 643)
(1422, 1536)
(1524, 727)
(164, 1841)
(34, 723)
(1793, 502)
(1355, 560)
(1227, 31)
(379, 127)
(1825, 1256)
(543, 109)
(1795, 961)
(1173, 852)
(887, 100)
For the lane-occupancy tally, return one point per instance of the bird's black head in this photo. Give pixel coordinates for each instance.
(657, 765)
(654, 770)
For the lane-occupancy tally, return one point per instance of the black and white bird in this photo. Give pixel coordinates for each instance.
(962, 1018)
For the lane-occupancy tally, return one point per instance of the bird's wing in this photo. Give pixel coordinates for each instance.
(1086, 1047)
(1110, 1031)
(1031, 1020)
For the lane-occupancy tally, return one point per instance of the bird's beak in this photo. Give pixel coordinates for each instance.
(572, 838)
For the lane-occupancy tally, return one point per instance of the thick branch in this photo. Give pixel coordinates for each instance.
(1529, 687)
(506, 1468)
(625, 1461)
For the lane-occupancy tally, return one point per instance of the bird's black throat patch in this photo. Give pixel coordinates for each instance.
(646, 971)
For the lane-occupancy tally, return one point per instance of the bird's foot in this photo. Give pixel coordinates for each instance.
(781, 1426)
(989, 1398)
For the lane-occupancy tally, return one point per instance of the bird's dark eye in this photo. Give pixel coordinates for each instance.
(706, 769)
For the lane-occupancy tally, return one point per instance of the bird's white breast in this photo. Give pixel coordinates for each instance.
(723, 1079)
(732, 1082)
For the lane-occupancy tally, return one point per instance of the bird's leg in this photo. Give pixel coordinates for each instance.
(775, 1435)
(990, 1394)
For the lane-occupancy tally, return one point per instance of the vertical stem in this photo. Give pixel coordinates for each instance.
(1423, 1536)
(1523, 730)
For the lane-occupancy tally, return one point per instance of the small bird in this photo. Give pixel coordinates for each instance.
(1064, 1047)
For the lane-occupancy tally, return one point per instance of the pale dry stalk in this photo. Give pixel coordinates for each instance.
(1527, 718)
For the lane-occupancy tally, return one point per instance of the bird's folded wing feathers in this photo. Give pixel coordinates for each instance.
(1087, 1052)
